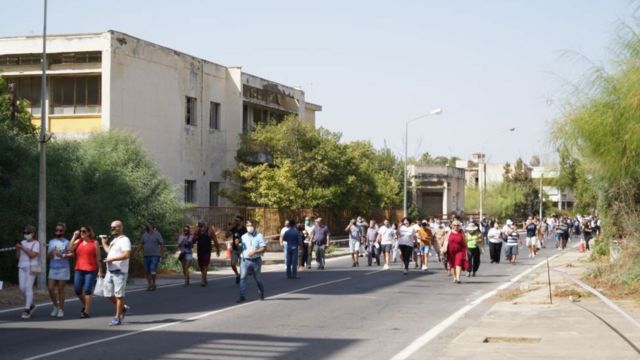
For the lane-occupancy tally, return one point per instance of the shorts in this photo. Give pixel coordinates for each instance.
(510, 250)
(235, 257)
(204, 259)
(151, 264)
(424, 249)
(354, 245)
(59, 273)
(115, 284)
(386, 248)
(532, 241)
(84, 282)
(188, 257)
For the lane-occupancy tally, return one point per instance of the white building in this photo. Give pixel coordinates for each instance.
(561, 199)
(187, 111)
(437, 190)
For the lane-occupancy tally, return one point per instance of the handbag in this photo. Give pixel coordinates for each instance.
(35, 269)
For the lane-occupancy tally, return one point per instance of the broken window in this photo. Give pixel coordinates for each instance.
(190, 111)
(214, 115)
(189, 191)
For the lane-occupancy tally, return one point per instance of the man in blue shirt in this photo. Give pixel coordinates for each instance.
(292, 239)
(252, 246)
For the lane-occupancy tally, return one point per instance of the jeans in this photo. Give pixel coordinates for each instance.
(474, 259)
(84, 281)
(320, 256)
(253, 266)
(292, 262)
(406, 251)
(151, 264)
(494, 251)
(26, 279)
(373, 254)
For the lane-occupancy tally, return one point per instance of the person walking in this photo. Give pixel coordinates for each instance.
(292, 239)
(532, 239)
(373, 244)
(308, 227)
(252, 246)
(283, 243)
(441, 236)
(28, 256)
(204, 237)
(495, 243)
(513, 242)
(355, 235)
(237, 231)
(320, 238)
(386, 237)
(153, 245)
(185, 245)
(88, 266)
(425, 237)
(474, 238)
(587, 232)
(456, 249)
(406, 241)
(304, 240)
(59, 273)
(117, 260)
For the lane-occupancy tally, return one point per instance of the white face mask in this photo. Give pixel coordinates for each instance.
(28, 237)
(250, 229)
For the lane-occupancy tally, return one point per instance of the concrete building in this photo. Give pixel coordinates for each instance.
(437, 190)
(188, 111)
(561, 199)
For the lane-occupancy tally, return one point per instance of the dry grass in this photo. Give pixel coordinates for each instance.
(511, 294)
(570, 292)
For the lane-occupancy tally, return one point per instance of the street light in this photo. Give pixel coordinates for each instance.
(406, 150)
(42, 178)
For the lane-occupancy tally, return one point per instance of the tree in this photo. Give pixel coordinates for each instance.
(535, 160)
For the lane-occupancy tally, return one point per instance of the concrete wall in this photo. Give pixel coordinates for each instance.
(148, 90)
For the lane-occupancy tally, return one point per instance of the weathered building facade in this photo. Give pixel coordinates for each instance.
(437, 190)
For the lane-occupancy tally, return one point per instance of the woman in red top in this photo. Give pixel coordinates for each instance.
(456, 249)
(88, 263)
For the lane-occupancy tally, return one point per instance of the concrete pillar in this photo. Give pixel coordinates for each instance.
(445, 199)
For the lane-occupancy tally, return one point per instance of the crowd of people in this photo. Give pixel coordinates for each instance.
(457, 245)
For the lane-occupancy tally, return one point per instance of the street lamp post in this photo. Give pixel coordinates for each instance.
(406, 151)
(42, 178)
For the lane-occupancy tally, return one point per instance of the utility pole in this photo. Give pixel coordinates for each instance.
(42, 178)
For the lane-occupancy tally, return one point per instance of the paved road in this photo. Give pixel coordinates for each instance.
(340, 312)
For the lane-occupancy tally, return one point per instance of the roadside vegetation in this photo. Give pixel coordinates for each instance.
(92, 182)
(598, 141)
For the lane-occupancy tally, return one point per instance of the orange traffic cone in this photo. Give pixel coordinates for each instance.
(581, 247)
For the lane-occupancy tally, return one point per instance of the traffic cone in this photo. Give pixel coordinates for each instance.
(581, 247)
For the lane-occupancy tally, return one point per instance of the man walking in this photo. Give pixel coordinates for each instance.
(373, 244)
(320, 237)
(292, 240)
(386, 236)
(308, 227)
(153, 245)
(355, 234)
(425, 237)
(117, 260)
(252, 246)
(237, 231)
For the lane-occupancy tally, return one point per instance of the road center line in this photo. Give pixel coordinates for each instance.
(421, 341)
(161, 326)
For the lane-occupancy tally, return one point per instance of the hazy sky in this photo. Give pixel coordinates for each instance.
(491, 65)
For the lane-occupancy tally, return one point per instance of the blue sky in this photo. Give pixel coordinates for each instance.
(491, 65)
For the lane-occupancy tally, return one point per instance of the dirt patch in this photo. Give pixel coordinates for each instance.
(511, 294)
(570, 292)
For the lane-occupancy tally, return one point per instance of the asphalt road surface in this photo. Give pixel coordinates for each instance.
(339, 313)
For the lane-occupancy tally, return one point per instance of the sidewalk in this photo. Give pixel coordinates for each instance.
(524, 325)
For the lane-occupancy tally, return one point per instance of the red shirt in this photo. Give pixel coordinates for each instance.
(86, 255)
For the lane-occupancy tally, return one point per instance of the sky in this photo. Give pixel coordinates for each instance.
(491, 65)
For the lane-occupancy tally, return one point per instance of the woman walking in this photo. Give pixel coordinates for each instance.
(88, 265)
(27, 253)
(513, 241)
(185, 245)
(406, 241)
(495, 243)
(204, 238)
(58, 254)
(456, 249)
(474, 238)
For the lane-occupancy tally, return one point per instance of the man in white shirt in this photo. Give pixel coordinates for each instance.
(115, 280)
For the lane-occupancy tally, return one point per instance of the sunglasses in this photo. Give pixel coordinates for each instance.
(83, 231)
(27, 232)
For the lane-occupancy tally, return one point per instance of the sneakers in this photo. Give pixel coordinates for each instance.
(385, 267)
(84, 315)
(125, 308)
(115, 322)
(424, 268)
(241, 299)
(60, 313)
(26, 314)
(261, 296)
(54, 312)
(405, 271)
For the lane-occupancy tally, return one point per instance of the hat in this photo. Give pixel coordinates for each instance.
(471, 227)
(509, 222)
(456, 222)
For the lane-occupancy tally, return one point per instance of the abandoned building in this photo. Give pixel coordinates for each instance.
(437, 190)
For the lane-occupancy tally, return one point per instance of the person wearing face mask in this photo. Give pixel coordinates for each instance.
(185, 244)
(153, 245)
(28, 255)
(495, 243)
(406, 241)
(59, 273)
(203, 238)
(237, 231)
(252, 246)
(117, 260)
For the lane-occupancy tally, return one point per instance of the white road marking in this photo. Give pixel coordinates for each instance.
(418, 343)
(197, 317)
(374, 272)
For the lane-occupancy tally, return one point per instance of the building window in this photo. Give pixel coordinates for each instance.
(189, 191)
(214, 115)
(68, 94)
(190, 112)
(214, 189)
